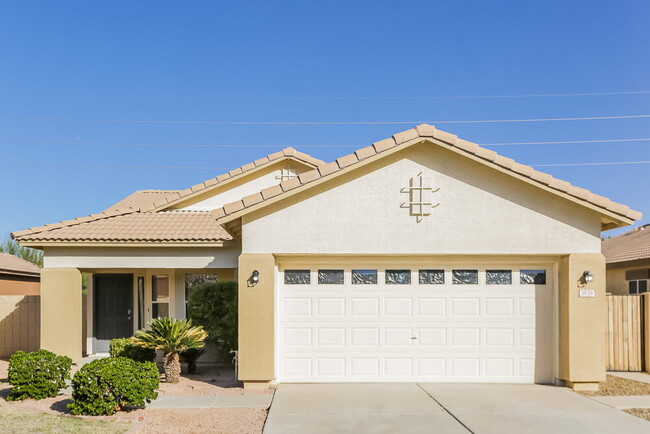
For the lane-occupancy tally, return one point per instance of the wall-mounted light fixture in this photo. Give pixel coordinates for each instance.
(588, 276)
(255, 277)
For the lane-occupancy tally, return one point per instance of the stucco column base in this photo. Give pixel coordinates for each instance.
(256, 385)
(583, 320)
(61, 316)
(256, 356)
(583, 387)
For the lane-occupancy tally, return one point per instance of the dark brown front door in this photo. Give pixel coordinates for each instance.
(113, 309)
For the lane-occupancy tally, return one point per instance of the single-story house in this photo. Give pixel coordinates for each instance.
(19, 305)
(422, 257)
(628, 261)
(18, 276)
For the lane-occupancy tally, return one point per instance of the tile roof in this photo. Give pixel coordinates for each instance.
(144, 197)
(151, 202)
(14, 265)
(132, 227)
(416, 135)
(212, 182)
(629, 246)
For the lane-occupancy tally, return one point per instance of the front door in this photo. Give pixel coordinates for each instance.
(113, 309)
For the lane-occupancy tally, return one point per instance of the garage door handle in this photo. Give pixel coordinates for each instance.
(413, 337)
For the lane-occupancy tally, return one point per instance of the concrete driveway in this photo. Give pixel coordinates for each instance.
(441, 408)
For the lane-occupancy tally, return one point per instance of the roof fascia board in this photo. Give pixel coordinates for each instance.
(618, 219)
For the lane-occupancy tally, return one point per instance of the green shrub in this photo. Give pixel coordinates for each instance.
(190, 356)
(214, 306)
(105, 386)
(37, 375)
(124, 347)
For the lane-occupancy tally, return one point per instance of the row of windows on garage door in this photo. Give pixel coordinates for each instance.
(404, 277)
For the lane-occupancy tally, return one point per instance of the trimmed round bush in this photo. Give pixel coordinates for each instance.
(37, 375)
(124, 347)
(105, 386)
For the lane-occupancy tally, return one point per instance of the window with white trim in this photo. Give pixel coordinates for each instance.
(160, 296)
(637, 286)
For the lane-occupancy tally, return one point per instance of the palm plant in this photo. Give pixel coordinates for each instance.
(172, 336)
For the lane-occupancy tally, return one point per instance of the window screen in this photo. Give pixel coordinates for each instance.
(398, 277)
(296, 277)
(464, 277)
(364, 277)
(498, 277)
(432, 277)
(532, 277)
(330, 277)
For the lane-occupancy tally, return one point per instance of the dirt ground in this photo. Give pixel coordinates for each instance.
(209, 380)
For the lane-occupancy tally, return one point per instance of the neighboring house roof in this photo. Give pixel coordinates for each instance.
(132, 227)
(10, 264)
(142, 198)
(619, 214)
(630, 246)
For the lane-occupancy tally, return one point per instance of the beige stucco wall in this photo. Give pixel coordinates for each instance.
(481, 211)
(583, 321)
(256, 320)
(61, 328)
(141, 257)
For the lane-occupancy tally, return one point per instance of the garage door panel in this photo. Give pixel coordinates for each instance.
(441, 332)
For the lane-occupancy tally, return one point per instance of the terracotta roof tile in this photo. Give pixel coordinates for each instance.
(472, 148)
(164, 226)
(14, 265)
(268, 193)
(630, 246)
(346, 160)
(366, 152)
(385, 144)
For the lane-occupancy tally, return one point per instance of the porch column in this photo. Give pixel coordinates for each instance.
(61, 317)
(583, 321)
(256, 320)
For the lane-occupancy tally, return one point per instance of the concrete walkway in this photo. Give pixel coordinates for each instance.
(442, 408)
(636, 376)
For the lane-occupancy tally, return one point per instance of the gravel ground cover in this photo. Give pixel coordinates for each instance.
(209, 380)
(617, 386)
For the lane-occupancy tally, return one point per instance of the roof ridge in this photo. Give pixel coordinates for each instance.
(286, 152)
(426, 131)
(73, 222)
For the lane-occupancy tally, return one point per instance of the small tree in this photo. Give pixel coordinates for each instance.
(214, 306)
(172, 336)
(13, 248)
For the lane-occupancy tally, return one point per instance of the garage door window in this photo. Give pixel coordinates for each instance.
(532, 277)
(364, 277)
(464, 277)
(296, 277)
(498, 277)
(330, 277)
(432, 277)
(398, 277)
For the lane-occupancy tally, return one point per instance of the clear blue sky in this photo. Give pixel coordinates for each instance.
(240, 60)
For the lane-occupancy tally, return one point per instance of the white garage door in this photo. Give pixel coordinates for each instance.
(448, 324)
